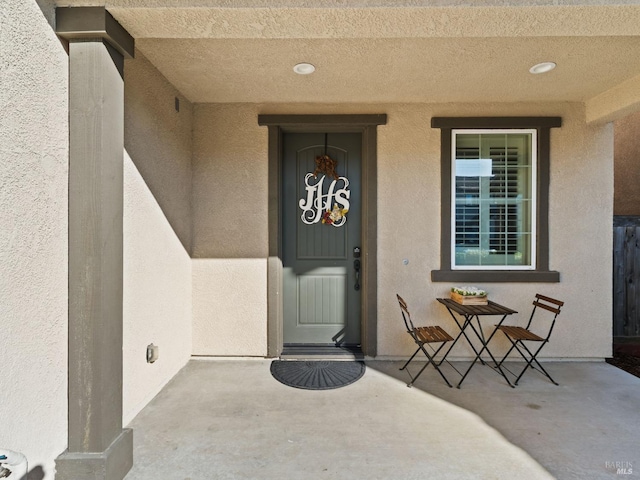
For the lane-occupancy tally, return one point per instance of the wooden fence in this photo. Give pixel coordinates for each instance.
(626, 277)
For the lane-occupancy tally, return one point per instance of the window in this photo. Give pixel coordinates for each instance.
(495, 181)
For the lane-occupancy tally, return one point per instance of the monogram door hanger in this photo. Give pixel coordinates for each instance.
(327, 199)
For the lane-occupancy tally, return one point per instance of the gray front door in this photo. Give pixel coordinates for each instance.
(321, 287)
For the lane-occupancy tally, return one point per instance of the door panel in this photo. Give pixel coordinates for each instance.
(321, 305)
(321, 298)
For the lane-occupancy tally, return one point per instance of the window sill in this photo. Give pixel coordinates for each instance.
(490, 276)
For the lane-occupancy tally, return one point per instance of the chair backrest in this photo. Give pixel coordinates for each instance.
(546, 303)
(406, 316)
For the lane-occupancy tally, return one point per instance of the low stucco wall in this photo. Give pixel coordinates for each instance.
(33, 235)
(157, 295)
(156, 298)
(230, 307)
(230, 216)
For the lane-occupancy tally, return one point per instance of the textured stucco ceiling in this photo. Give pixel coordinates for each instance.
(390, 51)
(393, 70)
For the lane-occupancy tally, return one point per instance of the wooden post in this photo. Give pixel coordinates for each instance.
(98, 446)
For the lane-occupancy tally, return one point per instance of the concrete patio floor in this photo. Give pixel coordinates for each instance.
(229, 419)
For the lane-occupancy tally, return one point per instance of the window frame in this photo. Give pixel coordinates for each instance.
(541, 273)
(533, 208)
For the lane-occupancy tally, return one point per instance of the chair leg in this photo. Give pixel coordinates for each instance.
(444, 357)
(430, 360)
(531, 360)
(412, 357)
(513, 345)
(413, 379)
(543, 371)
(435, 365)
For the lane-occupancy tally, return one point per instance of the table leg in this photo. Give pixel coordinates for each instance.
(480, 337)
(485, 342)
(495, 365)
(467, 321)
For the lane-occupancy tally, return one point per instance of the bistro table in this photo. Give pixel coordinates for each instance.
(464, 319)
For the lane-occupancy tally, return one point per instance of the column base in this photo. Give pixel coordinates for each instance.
(112, 464)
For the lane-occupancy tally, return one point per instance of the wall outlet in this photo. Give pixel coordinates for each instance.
(152, 353)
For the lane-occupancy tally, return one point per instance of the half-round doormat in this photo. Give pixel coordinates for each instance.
(316, 374)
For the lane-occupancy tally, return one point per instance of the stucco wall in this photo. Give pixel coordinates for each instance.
(579, 214)
(157, 232)
(229, 231)
(229, 182)
(156, 298)
(626, 199)
(33, 235)
(230, 307)
(230, 158)
(158, 138)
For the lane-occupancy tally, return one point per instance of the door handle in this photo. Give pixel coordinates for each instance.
(356, 267)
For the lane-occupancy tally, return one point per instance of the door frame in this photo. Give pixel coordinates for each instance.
(366, 125)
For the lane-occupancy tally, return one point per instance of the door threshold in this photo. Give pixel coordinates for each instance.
(321, 352)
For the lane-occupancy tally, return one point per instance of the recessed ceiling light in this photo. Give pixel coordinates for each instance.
(304, 68)
(543, 67)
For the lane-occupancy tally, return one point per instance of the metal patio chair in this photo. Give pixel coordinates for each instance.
(518, 335)
(424, 336)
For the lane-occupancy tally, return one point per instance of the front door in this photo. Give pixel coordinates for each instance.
(321, 207)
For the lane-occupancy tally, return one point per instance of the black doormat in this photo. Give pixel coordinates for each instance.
(316, 374)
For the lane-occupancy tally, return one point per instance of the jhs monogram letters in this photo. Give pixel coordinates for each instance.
(318, 202)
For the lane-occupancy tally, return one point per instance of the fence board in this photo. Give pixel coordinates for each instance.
(626, 277)
(629, 277)
(633, 316)
(619, 290)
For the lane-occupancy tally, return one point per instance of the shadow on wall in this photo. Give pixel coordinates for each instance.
(36, 473)
(48, 8)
